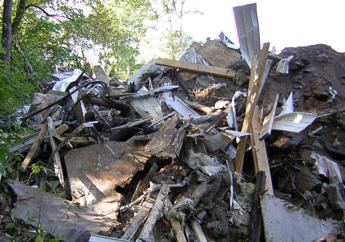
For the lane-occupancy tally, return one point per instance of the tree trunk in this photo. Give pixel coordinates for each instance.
(6, 31)
(19, 16)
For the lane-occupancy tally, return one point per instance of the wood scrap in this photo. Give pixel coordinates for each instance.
(155, 214)
(259, 151)
(61, 129)
(35, 147)
(168, 140)
(178, 230)
(197, 68)
(253, 97)
(142, 185)
(199, 234)
(137, 222)
(56, 156)
(199, 107)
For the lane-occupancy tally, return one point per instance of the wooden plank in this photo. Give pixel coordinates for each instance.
(137, 222)
(155, 213)
(178, 230)
(35, 147)
(197, 68)
(199, 107)
(80, 140)
(199, 234)
(56, 156)
(61, 129)
(252, 99)
(259, 151)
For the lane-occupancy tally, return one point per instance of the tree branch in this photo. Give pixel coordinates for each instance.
(56, 16)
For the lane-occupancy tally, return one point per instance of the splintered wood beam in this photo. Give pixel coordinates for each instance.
(255, 81)
(137, 222)
(155, 214)
(178, 230)
(56, 155)
(35, 147)
(199, 234)
(197, 68)
(259, 151)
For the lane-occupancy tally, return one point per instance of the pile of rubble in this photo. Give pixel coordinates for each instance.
(218, 146)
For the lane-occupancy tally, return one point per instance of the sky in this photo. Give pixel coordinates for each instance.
(283, 23)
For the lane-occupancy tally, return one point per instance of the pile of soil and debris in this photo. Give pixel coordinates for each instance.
(164, 156)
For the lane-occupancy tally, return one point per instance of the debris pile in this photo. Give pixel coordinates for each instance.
(218, 146)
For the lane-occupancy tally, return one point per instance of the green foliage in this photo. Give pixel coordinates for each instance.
(117, 27)
(8, 138)
(177, 41)
(41, 235)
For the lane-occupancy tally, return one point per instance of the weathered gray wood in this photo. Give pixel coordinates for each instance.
(35, 147)
(178, 230)
(137, 221)
(56, 156)
(199, 234)
(167, 141)
(155, 214)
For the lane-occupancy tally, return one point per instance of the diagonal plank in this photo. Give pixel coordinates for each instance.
(252, 99)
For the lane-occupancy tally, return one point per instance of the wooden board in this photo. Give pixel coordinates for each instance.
(137, 222)
(155, 213)
(197, 68)
(252, 99)
(178, 230)
(35, 147)
(56, 157)
(259, 151)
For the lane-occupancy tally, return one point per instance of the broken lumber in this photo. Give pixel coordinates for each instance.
(199, 107)
(259, 151)
(178, 230)
(35, 147)
(56, 157)
(137, 222)
(155, 214)
(197, 68)
(199, 234)
(168, 140)
(254, 90)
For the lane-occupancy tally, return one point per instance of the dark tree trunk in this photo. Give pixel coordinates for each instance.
(19, 16)
(6, 31)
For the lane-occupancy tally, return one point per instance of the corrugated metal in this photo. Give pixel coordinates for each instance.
(248, 30)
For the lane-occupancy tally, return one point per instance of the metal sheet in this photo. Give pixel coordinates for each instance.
(147, 106)
(282, 223)
(248, 31)
(176, 103)
(63, 84)
(293, 122)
